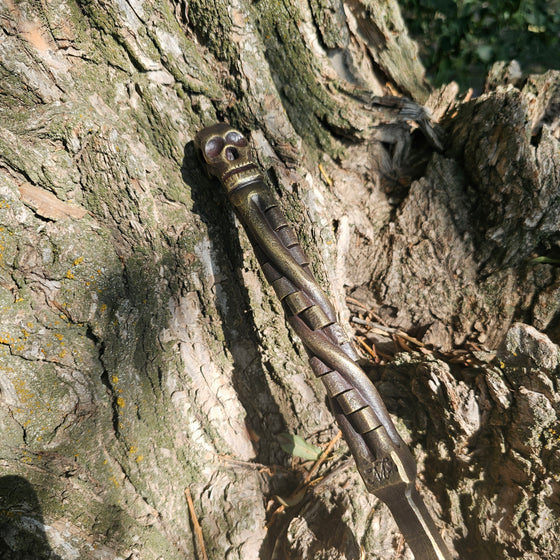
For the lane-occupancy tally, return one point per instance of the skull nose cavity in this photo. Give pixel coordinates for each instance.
(231, 153)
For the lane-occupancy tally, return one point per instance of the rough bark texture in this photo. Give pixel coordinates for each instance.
(141, 352)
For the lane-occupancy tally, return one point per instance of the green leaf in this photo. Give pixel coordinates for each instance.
(544, 260)
(297, 447)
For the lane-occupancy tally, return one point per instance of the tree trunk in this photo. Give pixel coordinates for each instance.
(143, 354)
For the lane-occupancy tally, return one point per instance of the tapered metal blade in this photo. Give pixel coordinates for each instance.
(415, 522)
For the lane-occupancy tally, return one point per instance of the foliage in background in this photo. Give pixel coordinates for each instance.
(461, 39)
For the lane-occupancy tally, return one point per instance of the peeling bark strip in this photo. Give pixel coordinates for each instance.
(141, 352)
(47, 205)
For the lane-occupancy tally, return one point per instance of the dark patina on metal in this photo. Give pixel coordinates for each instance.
(385, 463)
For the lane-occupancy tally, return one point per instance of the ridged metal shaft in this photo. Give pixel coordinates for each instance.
(383, 460)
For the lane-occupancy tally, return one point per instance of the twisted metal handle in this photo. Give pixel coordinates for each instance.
(386, 465)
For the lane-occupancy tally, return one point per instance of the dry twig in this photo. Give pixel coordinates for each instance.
(196, 525)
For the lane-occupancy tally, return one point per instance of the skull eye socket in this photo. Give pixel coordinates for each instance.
(236, 138)
(214, 146)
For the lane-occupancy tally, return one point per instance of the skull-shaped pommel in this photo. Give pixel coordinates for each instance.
(227, 155)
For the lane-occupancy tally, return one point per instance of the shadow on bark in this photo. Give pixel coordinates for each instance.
(264, 419)
(22, 529)
(315, 529)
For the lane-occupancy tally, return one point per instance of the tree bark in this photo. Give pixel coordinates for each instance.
(143, 354)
